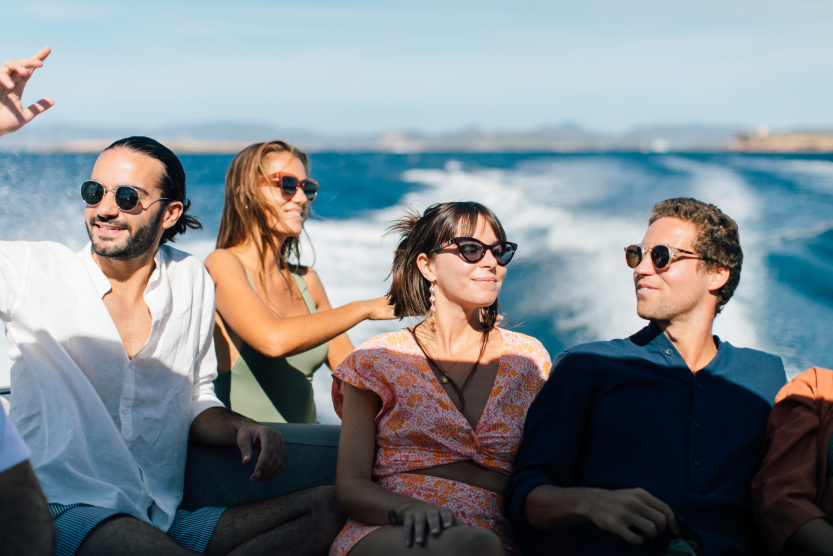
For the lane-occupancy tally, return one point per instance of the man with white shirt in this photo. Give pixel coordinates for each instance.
(113, 362)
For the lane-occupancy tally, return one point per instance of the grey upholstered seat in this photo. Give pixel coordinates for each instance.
(214, 475)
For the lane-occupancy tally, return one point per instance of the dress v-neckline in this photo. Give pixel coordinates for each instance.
(438, 387)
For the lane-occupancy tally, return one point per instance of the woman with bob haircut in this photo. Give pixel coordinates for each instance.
(275, 326)
(432, 416)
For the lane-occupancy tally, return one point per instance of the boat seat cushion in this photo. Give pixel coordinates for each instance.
(214, 475)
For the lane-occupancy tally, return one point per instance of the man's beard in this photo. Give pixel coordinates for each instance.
(138, 243)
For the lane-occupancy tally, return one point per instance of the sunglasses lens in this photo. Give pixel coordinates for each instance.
(503, 253)
(660, 256)
(310, 189)
(92, 192)
(126, 198)
(633, 255)
(289, 185)
(471, 251)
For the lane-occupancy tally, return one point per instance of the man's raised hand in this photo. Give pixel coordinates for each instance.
(14, 74)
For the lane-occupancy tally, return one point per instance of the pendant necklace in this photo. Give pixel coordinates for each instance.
(445, 379)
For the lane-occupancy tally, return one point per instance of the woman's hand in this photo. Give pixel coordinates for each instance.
(380, 309)
(418, 517)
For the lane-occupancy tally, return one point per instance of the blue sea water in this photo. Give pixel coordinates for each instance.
(571, 214)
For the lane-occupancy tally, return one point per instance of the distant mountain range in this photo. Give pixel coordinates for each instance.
(219, 137)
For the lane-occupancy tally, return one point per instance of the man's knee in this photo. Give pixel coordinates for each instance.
(322, 497)
(323, 514)
(323, 504)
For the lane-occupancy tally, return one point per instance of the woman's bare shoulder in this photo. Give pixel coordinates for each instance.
(222, 261)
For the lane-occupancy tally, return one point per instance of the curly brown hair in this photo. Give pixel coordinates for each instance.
(717, 241)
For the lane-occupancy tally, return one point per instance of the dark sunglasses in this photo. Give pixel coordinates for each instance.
(289, 184)
(661, 255)
(473, 250)
(127, 197)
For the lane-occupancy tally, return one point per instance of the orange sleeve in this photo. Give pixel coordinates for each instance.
(786, 492)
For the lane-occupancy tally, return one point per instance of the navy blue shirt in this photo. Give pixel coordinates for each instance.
(629, 413)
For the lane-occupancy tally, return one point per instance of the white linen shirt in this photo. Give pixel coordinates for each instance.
(104, 429)
(12, 448)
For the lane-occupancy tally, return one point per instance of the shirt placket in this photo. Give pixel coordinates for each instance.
(697, 439)
(127, 398)
(698, 405)
(129, 388)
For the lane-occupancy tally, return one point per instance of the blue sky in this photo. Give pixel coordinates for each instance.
(431, 66)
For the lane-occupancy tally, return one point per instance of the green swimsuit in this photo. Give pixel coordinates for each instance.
(273, 389)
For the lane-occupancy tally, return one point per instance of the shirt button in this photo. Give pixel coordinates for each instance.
(124, 411)
(696, 463)
(696, 424)
(699, 386)
(668, 352)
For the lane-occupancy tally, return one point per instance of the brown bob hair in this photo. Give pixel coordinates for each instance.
(420, 234)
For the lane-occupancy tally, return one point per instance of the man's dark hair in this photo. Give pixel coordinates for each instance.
(717, 241)
(172, 184)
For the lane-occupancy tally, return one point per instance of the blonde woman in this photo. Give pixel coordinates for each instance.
(275, 325)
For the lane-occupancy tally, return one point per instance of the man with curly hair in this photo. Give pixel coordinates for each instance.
(648, 444)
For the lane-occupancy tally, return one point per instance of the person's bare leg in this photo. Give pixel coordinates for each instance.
(127, 536)
(304, 522)
(25, 522)
(453, 541)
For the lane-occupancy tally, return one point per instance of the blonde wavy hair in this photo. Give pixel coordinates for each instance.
(247, 214)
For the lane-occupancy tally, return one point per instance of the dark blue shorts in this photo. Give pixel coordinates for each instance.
(74, 522)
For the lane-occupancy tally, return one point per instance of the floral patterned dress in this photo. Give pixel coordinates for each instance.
(418, 426)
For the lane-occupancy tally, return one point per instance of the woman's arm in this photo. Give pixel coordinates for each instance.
(361, 498)
(340, 346)
(245, 313)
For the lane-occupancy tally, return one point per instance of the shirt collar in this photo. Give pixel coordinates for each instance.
(100, 280)
(652, 336)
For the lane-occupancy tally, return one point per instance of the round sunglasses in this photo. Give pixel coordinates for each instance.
(127, 197)
(661, 255)
(290, 183)
(473, 250)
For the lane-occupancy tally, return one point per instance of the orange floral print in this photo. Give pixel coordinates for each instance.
(419, 427)
(472, 506)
